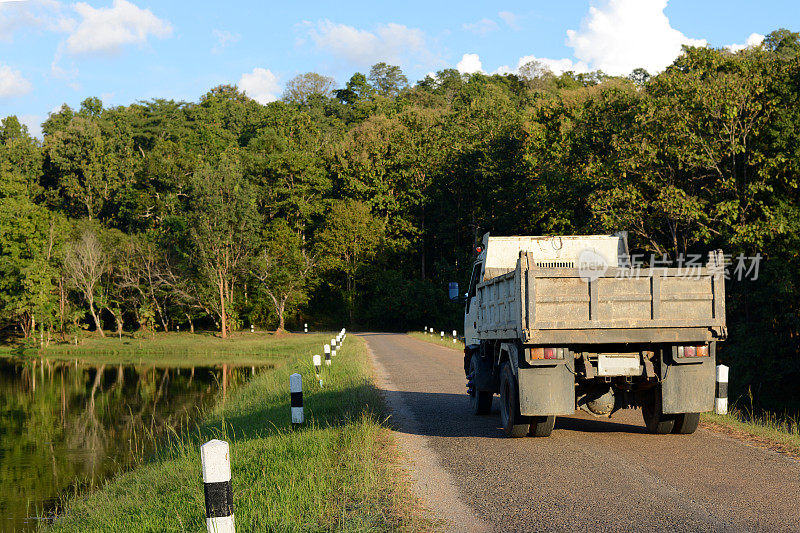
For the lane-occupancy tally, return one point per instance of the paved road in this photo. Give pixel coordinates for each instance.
(589, 475)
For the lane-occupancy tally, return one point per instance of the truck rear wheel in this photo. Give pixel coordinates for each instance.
(655, 420)
(686, 423)
(542, 426)
(480, 402)
(514, 424)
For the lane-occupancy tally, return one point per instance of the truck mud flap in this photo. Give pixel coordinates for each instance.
(689, 388)
(546, 390)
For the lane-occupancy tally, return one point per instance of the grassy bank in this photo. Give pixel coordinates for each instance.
(767, 431)
(338, 472)
(436, 339)
(180, 349)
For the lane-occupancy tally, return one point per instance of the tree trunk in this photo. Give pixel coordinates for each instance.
(281, 322)
(223, 316)
(96, 318)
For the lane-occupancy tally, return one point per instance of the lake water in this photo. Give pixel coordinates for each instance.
(66, 427)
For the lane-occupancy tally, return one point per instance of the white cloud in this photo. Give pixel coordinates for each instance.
(107, 29)
(34, 124)
(261, 85)
(470, 64)
(27, 14)
(391, 43)
(224, 39)
(755, 39)
(12, 83)
(482, 27)
(618, 36)
(510, 19)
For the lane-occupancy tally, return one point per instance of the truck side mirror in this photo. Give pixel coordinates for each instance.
(453, 291)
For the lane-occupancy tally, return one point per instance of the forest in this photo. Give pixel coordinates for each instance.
(357, 205)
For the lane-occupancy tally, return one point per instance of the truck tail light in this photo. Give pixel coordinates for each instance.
(547, 353)
(693, 351)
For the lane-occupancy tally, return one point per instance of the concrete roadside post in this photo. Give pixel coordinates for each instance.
(333, 347)
(721, 396)
(327, 350)
(441, 335)
(296, 393)
(216, 463)
(252, 328)
(317, 364)
(305, 328)
(455, 334)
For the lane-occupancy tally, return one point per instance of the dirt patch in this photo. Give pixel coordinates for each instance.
(752, 440)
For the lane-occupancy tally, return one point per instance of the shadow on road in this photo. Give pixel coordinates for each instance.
(596, 425)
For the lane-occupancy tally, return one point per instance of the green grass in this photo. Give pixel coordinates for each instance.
(768, 429)
(338, 472)
(179, 349)
(436, 339)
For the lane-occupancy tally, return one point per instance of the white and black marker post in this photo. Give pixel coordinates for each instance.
(455, 334)
(721, 396)
(333, 347)
(216, 461)
(327, 350)
(441, 335)
(296, 391)
(317, 364)
(305, 328)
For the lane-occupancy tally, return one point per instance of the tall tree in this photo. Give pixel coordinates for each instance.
(86, 263)
(303, 87)
(223, 226)
(348, 243)
(283, 268)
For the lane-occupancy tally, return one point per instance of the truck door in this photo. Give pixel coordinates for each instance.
(471, 309)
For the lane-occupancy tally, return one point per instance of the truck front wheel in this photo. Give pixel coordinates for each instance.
(514, 424)
(480, 402)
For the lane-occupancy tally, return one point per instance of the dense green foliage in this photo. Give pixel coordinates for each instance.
(364, 201)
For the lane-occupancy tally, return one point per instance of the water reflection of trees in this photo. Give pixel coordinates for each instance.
(67, 426)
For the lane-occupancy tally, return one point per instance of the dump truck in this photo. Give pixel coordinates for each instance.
(558, 323)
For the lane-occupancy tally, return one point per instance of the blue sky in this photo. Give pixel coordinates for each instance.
(54, 52)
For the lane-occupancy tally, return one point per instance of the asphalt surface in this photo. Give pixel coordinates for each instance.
(590, 475)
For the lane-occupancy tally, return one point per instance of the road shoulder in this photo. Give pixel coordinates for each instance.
(432, 483)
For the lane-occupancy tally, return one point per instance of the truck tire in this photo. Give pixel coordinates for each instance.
(686, 423)
(655, 420)
(514, 424)
(480, 402)
(542, 426)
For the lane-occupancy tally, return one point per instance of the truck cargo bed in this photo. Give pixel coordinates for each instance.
(556, 305)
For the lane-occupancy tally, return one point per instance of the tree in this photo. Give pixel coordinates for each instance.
(387, 80)
(223, 224)
(283, 267)
(303, 86)
(86, 263)
(348, 243)
(537, 76)
(356, 90)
